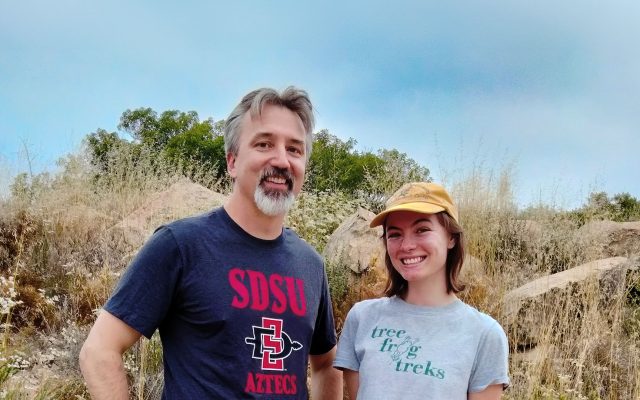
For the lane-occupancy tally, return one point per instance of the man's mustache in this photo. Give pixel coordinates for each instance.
(280, 173)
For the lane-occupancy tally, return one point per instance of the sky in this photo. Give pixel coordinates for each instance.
(549, 91)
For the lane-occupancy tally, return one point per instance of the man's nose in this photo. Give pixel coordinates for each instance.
(280, 157)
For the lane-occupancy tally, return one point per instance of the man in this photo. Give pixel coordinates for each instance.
(241, 303)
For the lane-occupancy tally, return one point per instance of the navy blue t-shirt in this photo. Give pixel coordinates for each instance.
(237, 315)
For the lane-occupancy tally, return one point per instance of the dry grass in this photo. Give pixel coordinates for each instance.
(585, 347)
(56, 248)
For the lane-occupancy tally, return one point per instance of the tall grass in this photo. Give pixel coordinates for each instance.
(585, 348)
(59, 252)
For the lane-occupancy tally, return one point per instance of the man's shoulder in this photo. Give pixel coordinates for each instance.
(196, 221)
(294, 239)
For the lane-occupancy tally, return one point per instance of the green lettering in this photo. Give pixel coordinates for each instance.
(407, 366)
(428, 370)
(377, 332)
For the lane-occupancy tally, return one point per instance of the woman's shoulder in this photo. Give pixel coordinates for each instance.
(480, 320)
(371, 304)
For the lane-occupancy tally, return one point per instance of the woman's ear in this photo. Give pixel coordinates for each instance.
(452, 243)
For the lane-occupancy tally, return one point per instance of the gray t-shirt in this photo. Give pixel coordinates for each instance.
(404, 351)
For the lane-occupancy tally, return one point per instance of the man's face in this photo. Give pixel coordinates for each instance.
(270, 163)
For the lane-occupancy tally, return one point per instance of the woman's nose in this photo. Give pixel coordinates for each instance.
(408, 243)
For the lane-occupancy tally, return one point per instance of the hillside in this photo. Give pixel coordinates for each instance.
(566, 290)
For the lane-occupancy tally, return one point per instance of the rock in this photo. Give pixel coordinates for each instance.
(536, 355)
(355, 245)
(603, 239)
(527, 308)
(180, 200)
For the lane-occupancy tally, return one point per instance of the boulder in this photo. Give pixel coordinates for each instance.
(355, 245)
(529, 308)
(182, 199)
(542, 353)
(602, 239)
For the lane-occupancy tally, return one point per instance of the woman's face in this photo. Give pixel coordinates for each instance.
(418, 245)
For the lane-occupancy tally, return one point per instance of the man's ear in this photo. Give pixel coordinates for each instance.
(231, 164)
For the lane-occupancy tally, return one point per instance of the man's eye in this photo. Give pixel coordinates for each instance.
(295, 150)
(262, 145)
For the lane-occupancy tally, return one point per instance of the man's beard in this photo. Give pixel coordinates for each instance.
(274, 202)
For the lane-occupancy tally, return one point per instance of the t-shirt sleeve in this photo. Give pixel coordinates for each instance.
(492, 360)
(144, 294)
(324, 333)
(346, 356)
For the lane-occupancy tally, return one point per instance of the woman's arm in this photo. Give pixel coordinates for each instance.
(492, 392)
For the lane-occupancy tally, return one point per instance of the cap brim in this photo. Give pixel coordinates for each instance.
(419, 207)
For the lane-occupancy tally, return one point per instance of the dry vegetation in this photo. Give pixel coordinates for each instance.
(59, 260)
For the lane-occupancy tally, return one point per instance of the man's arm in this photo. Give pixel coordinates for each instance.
(326, 381)
(492, 392)
(101, 357)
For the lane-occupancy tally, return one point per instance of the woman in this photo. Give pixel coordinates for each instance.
(421, 341)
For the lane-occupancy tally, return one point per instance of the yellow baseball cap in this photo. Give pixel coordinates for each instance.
(420, 197)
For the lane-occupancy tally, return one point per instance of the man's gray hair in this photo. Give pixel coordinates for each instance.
(292, 98)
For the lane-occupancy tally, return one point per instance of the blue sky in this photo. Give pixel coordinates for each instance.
(550, 88)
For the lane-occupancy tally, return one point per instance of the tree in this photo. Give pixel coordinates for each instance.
(144, 125)
(199, 146)
(332, 165)
(620, 207)
(626, 206)
(101, 144)
(392, 170)
(174, 136)
(335, 165)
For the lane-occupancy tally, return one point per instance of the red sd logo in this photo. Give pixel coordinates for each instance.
(271, 344)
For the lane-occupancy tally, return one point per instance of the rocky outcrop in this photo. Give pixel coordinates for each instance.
(353, 244)
(526, 307)
(602, 239)
(181, 199)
